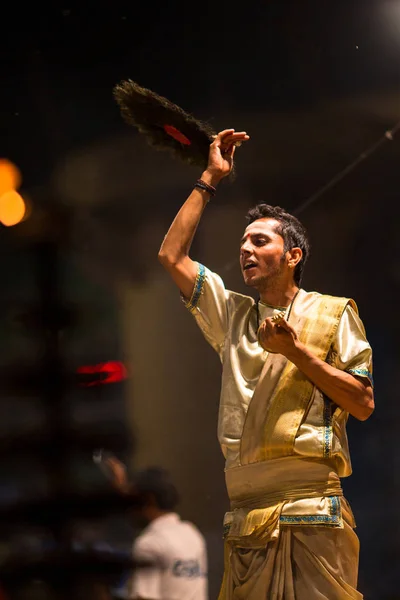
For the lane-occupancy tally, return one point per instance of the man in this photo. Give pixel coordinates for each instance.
(295, 365)
(172, 552)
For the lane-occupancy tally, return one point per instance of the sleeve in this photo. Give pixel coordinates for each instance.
(351, 350)
(209, 306)
(146, 580)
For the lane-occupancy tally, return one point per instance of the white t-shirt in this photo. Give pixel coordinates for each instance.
(179, 552)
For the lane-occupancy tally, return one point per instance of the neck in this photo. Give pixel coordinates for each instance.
(279, 296)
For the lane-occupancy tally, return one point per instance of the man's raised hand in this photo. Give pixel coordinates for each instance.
(222, 151)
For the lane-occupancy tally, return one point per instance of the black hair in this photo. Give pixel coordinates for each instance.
(293, 232)
(156, 482)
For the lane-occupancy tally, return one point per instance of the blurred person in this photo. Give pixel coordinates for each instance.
(171, 553)
(294, 366)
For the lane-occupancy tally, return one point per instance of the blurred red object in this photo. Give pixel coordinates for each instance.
(177, 135)
(101, 374)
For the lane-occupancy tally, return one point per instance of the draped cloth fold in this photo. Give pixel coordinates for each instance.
(268, 560)
(283, 393)
(303, 563)
(261, 492)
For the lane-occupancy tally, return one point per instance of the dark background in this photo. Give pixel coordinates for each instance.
(315, 84)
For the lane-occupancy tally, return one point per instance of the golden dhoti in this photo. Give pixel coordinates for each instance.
(270, 552)
(304, 563)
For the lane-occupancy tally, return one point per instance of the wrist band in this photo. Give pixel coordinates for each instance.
(202, 185)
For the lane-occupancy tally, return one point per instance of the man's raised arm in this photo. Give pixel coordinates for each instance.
(174, 251)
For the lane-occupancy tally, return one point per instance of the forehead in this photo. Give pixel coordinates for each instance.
(263, 226)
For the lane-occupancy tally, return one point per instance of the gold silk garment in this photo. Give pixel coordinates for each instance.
(303, 563)
(229, 323)
(275, 556)
(289, 534)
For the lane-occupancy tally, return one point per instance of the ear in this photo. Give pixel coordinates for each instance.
(294, 256)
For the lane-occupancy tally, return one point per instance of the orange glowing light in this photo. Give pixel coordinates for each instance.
(12, 208)
(10, 176)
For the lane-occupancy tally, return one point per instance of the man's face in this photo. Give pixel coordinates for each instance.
(262, 253)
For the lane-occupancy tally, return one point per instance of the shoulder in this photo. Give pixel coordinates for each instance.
(191, 532)
(241, 299)
(347, 310)
(342, 303)
(351, 322)
(147, 546)
(208, 281)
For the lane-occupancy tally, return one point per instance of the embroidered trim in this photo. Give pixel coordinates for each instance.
(361, 373)
(334, 519)
(198, 288)
(226, 529)
(327, 432)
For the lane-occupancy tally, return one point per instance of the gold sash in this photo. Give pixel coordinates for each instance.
(258, 493)
(283, 394)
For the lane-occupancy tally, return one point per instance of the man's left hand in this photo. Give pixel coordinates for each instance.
(277, 336)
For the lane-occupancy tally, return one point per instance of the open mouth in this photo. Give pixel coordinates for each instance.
(248, 266)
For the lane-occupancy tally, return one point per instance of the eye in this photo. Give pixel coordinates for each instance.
(260, 242)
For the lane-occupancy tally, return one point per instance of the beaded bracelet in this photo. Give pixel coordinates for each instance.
(202, 185)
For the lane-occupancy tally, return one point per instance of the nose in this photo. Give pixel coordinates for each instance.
(246, 248)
